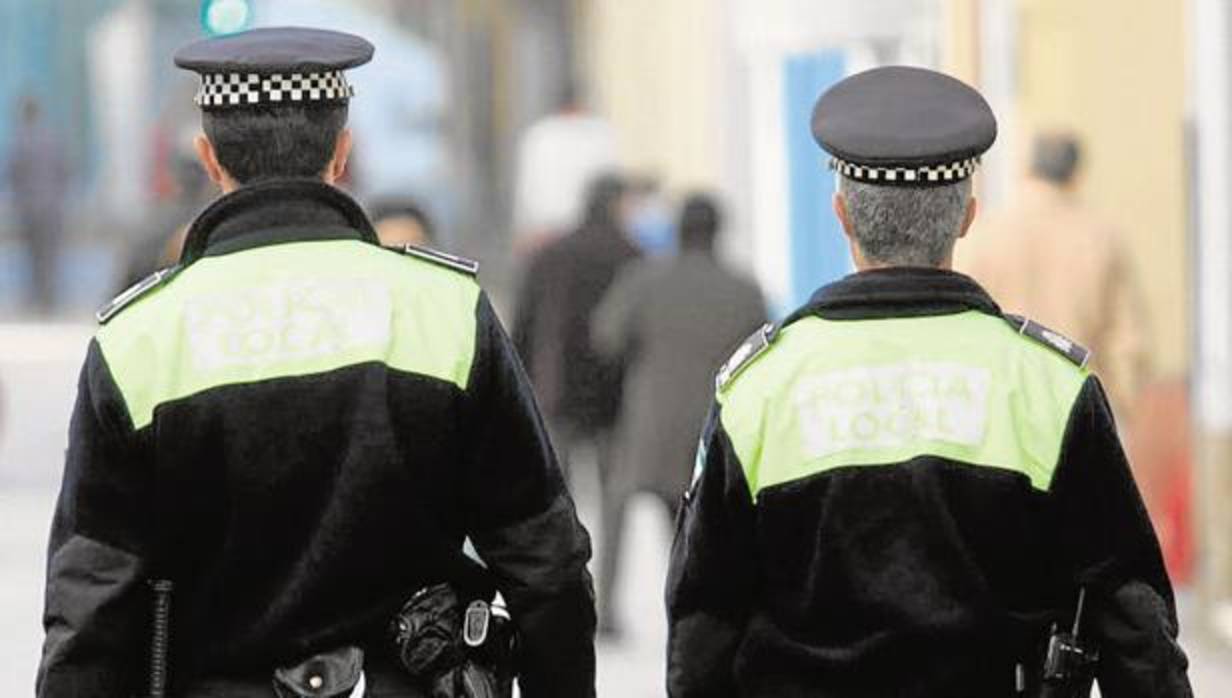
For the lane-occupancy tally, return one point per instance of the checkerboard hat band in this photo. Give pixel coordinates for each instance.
(929, 174)
(222, 90)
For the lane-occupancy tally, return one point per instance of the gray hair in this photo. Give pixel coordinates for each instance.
(905, 226)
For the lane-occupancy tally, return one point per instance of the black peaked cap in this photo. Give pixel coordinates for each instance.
(276, 50)
(905, 119)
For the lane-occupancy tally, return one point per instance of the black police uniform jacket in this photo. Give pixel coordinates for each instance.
(897, 494)
(299, 429)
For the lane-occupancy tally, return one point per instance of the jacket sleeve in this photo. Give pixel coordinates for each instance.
(711, 576)
(95, 605)
(523, 523)
(1111, 549)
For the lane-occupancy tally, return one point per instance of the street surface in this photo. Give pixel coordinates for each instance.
(38, 371)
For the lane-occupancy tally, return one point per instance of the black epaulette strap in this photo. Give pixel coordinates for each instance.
(134, 292)
(750, 349)
(1056, 341)
(467, 266)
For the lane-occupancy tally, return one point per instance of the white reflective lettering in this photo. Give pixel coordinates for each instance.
(289, 320)
(893, 405)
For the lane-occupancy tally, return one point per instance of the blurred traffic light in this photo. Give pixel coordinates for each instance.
(225, 16)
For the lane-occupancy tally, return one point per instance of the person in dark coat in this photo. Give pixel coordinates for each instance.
(670, 323)
(292, 432)
(579, 389)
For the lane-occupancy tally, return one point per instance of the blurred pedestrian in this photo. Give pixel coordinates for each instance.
(1049, 257)
(280, 445)
(579, 390)
(403, 223)
(38, 177)
(186, 190)
(670, 323)
(901, 491)
(558, 158)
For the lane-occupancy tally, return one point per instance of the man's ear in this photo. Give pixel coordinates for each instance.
(840, 212)
(209, 160)
(338, 163)
(969, 218)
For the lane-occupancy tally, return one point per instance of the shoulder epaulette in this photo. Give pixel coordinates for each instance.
(750, 349)
(1056, 341)
(467, 266)
(132, 293)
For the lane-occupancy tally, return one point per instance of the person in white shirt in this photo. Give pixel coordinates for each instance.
(558, 156)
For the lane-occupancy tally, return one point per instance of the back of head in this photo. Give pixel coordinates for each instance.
(700, 222)
(402, 222)
(604, 197)
(1055, 157)
(905, 142)
(274, 100)
(905, 226)
(267, 142)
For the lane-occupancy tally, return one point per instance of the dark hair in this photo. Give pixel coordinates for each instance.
(700, 220)
(383, 210)
(569, 95)
(602, 196)
(1055, 157)
(268, 142)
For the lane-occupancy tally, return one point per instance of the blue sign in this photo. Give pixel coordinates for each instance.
(818, 249)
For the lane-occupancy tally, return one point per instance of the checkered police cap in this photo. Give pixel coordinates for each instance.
(945, 173)
(902, 126)
(221, 90)
(283, 65)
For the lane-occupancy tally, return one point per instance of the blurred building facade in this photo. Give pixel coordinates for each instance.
(453, 84)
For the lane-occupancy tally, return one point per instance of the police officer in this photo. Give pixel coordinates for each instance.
(297, 429)
(899, 490)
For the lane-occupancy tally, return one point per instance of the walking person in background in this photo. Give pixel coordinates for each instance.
(579, 390)
(670, 323)
(1050, 258)
(38, 177)
(558, 157)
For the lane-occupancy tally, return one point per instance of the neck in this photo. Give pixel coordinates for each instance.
(863, 264)
(228, 184)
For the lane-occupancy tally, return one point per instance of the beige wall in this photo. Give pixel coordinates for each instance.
(1114, 72)
(653, 69)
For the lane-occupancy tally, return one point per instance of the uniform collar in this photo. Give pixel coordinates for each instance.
(898, 292)
(272, 212)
